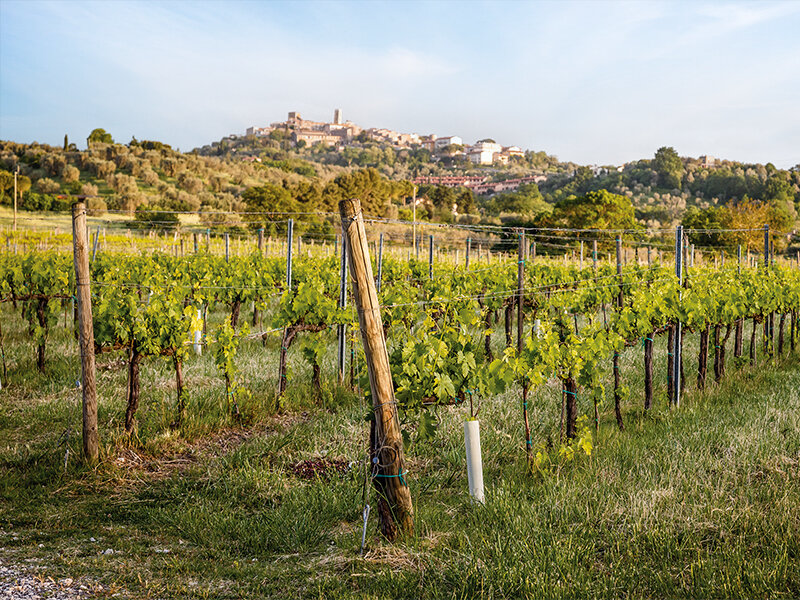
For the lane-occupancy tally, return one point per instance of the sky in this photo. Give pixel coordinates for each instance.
(590, 82)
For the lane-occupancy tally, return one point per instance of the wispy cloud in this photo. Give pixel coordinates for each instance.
(590, 81)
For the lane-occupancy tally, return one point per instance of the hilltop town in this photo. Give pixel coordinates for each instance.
(339, 134)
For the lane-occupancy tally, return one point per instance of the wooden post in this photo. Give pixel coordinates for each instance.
(195, 242)
(466, 261)
(594, 257)
(80, 250)
(380, 262)
(581, 263)
(739, 259)
(208, 240)
(227, 247)
(430, 257)
(261, 242)
(96, 241)
(386, 444)
(16, 172)
(342, 328)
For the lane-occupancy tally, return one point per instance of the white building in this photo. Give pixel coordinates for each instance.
(483, 152)
(443, 142)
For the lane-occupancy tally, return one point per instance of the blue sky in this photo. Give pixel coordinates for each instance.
(592, 82)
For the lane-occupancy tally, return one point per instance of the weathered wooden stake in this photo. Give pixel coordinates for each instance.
(80, 250)
(342, 328)
(289, 232)
(96, 241)
(380, 262)
(386, 444)
(430, 257)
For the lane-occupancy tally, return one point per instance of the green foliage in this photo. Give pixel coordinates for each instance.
(669, 167)
(600, 210)
(44, 202)
(264, 199)
(7, 186)
(153, 218)
(527, 201)
(99, 135)
(301, 167)
(708, 220)
(374, 191)
(547, 460)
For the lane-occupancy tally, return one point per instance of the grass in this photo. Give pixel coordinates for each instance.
(62, 221)
(703, 501)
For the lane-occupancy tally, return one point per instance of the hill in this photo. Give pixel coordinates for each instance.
(271, 173)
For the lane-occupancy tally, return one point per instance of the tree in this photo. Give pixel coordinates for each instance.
(47, 186)
(150, 217)
(527, 200)
(441, 196)
(778, 191)
(374, 191)
(264, 199)
(706, 223)
(70, 174)
(742, 223)
(99, 135)
(595, 210)
(7, 186)
(466, 201)
(669, 167)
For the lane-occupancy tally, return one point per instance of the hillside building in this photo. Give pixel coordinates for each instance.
(441, 143)
(483, 152)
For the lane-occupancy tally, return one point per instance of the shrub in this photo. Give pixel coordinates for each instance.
(47, 186)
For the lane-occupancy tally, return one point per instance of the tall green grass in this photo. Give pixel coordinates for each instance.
(698, 502)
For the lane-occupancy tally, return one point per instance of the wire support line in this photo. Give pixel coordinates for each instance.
(170, 286)
(530, 291)
(496, 229)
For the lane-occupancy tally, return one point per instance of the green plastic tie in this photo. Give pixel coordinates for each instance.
(400, 475)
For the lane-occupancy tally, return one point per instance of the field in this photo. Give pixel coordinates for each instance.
(262, 496)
